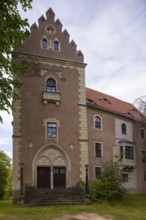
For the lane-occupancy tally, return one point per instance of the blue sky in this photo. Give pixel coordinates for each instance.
(112, 36)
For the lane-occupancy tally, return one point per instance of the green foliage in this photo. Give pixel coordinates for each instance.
(5, 164)
(13, 31)
(109, 184)
(8, 187)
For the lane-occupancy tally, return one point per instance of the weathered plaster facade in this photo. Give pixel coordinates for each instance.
(54, 132)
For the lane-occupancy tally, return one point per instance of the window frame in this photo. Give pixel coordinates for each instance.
(143, 156)
(98, 152)
(42, 43)
(53, 89)
(142, 133)
(125, 177)
(129, 152)
(56, 45)
(95, 173)
(52, 129)
(97, 122)
(124, 128)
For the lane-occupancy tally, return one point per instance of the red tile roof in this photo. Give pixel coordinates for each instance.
(111, 104)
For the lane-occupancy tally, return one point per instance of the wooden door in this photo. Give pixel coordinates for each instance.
(43, 177)
(59, 177)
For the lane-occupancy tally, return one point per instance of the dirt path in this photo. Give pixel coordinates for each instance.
(85, 216)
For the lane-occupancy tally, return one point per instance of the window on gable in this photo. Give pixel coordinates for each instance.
(97, 172)
(142, 133)
(97, 122)
(56, 45)
(51, 85)
(51, 130)
(143, 156)
(44, 43)
(129, 153)
(123, 128)
(98, 150)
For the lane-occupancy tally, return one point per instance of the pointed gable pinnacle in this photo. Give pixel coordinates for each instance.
(33, 26)
(59, 25)
(50, 15)
(72, 43)
(41, 19)
(80, 53)
(66, 34)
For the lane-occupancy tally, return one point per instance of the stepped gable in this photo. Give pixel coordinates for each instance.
(56, 42)
(109, 103)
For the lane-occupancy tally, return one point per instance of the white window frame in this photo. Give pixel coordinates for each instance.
(45, 48)
(94, 122)
(101, 149)
(51, 120)
(49, 77)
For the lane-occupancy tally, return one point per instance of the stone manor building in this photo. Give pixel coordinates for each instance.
(63, 131)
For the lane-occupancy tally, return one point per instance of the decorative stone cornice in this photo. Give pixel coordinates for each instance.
(51, 61)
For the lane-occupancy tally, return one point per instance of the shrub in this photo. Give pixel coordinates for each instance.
(109, 184)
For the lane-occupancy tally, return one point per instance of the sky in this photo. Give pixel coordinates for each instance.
(112, 36)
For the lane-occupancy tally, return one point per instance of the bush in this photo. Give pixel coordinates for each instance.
(109, 184)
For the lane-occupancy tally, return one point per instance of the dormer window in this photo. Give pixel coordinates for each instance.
(51, 85)
(105, 100)
(123, 128)
(44, 43)
(56, 45)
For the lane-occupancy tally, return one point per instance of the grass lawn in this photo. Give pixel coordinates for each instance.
(132, 207)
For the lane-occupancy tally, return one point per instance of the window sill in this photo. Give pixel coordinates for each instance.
(51, 97)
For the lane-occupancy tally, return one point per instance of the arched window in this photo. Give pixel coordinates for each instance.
(44, 43)
(123, 128)
(56, 45)
(97, 122)
(51, 85)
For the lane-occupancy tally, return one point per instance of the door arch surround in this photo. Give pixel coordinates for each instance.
(51, 156)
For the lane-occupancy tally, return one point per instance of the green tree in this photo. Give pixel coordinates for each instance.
(5, 164)
(13, 32)
(8, 187)
(109, 184)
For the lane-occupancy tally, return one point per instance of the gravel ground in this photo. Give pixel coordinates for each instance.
(85, 216)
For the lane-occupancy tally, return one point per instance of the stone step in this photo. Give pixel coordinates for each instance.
(53, 196)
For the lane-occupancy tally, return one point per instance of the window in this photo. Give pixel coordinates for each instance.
(98, 150)
(123, 127)
(97, 122)
(97, 171)
(125, 177)
(129, 153)
(51, 85)
(105, 100)
(121, 152)
(52, 130)
(44, 43)
(56, 45)
(142, 133)
(143, 156)
(144, 175)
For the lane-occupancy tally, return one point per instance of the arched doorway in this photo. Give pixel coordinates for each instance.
(51, 168)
